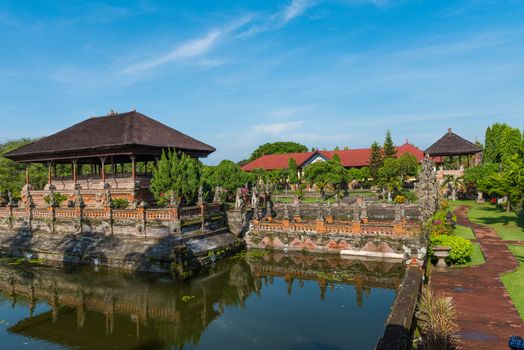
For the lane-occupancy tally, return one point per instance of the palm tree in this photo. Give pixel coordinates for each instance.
(453, 183)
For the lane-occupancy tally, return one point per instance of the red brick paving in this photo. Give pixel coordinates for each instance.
(486, 315)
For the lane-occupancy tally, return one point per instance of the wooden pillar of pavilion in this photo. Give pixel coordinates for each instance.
(74, 164)
(49, 173)
(133, 167)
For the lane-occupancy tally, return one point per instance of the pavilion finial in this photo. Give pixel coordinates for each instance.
(407, 141)
(112, 112)
(449, 131)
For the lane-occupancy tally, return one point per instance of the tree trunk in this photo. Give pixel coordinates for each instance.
(508, 207)
(453, 194)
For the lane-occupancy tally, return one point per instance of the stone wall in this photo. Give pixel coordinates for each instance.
(136, 239)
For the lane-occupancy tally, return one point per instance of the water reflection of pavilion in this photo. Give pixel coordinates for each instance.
(112, 309)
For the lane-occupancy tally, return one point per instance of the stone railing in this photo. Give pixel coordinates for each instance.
(159, 219)
(401, 228)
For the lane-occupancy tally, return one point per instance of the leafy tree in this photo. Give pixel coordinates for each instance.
(277, 148)
(407, 165)
(292, 168)
(180, 176)
(508, 182)
(389, 176)
(326, 175)
(389, 147)
(375, 160)
(227, 175)
(475, 175)
(12, 174)
(337, 148)
(501, 142)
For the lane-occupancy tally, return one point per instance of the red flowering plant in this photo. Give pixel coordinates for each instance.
(439, 225)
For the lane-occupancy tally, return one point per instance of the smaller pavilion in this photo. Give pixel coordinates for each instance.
(452, 145)
(117, 152)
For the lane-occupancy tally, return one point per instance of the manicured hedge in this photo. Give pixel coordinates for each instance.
(461, 248)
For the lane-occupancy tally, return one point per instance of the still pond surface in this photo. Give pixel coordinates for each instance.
(252, 301)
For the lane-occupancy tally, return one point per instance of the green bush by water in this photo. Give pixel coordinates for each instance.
(461, 248)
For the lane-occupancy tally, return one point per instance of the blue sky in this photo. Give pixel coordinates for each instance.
(236, 74)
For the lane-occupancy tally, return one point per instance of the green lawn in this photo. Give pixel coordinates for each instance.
(464, 232)
(508, 225)
(514, 281)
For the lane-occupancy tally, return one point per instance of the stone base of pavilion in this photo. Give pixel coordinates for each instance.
(134, 239)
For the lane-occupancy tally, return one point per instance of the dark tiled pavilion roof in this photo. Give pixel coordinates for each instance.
(125, 133)
(452, 144)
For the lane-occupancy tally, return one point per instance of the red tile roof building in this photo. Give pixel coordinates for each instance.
(353, 158)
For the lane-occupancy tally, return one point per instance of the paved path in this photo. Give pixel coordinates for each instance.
(485, 313)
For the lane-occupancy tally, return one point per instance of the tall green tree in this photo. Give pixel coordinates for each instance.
(501, 142)
(389, 149)
(376, 160)
(227, 175)
(12, 174)
(389, 176)
(509, 182)
(178, 175)
(407, 166)
(326, 175)
(277, 148)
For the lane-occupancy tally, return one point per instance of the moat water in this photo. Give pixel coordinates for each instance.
(251, 301)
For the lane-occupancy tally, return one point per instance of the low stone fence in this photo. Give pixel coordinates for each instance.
(138, 222)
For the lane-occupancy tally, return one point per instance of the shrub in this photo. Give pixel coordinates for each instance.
(120, 203)
(399, 199)
(461, 248)
(59, 198)
(436, 320)
(438, 224)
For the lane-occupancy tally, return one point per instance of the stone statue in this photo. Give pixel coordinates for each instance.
(200, 194)
(29, 200)
(173, 200)
(427, 189)
(254, 198)
(216, 195)
(108, 200)
(239, 202)
(52, 198)
(79, 200)
(269, 208)
(329, 209)
(10, 199)
(364, 209)
(286, 212)
(356, 212)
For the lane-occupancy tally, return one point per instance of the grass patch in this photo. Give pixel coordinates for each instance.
(464, 232)
(509, 226)
(514, 281)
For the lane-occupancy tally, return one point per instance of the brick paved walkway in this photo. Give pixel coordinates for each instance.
(486, 315)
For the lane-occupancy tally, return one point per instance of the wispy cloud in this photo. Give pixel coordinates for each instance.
(294, 9)
(189, 49)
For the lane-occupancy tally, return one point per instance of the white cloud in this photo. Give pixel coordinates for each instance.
(295, 8)
(278, 128)
(189, 49)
